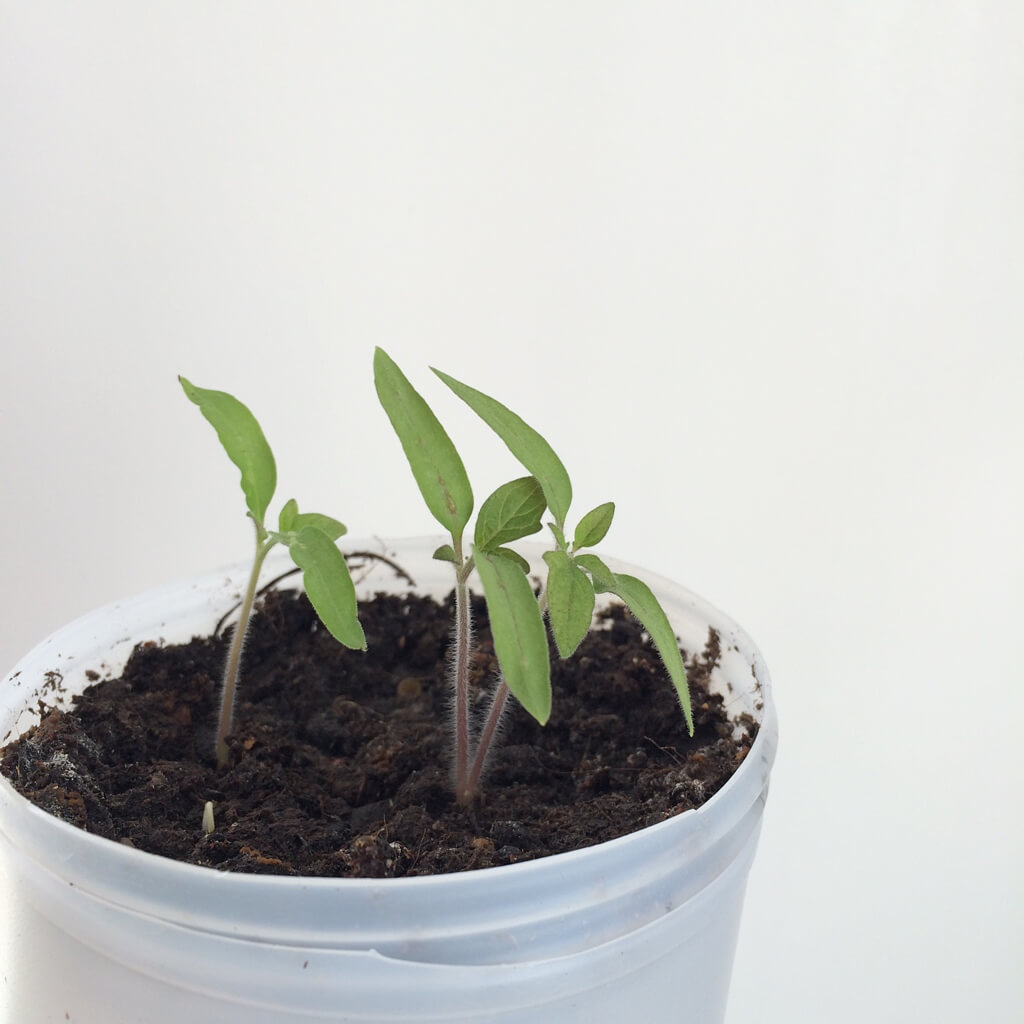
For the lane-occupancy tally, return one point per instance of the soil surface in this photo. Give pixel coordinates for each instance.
(340, 759)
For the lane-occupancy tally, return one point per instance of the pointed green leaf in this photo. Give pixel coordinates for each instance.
(511, 512)
(325, 524)
(445, 553)
(570, 602)
(602, 576)
(243, 441)
(559, 536)
(286, 517)
(524, 442)
(593, 526)
(513, 556)
(328, 584)
(644, 605)
(518, 630)
(291, 520)
(436, 465)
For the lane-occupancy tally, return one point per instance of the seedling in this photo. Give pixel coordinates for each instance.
(575, 578)
(512, 512)
(309, 537)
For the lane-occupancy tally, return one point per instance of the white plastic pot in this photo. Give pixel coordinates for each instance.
(640, 928)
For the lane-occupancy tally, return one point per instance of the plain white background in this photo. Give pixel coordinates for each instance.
(755, 269)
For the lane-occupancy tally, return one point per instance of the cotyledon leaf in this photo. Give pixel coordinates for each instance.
(243, 440)
(536, 455)
(436, 465)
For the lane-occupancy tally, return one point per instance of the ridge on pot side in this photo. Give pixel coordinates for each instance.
(645, 923)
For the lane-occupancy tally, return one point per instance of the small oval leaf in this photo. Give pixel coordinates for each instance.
(328, 584)
(325, 524)
(520, 640)
(570, 602)
(286, 517)
(243, 440)
(436, 465)
(523, 442)
(445, 553)
(640, 600)
(593, 526)
(603, 578)
(513, 511)
(513, 556)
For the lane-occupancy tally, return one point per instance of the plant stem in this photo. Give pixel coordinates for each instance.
(460, 673)
(490, 729)
(234, 661)
(487, 735)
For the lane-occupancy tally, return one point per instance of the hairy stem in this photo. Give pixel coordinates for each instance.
(234, 661)
(489, 731)
(487, 735)
(460, 676)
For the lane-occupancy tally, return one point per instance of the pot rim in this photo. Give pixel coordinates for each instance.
(122, 875)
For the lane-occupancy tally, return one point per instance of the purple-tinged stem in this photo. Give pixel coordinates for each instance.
(487, 735)
(234, 660)
(460, 678)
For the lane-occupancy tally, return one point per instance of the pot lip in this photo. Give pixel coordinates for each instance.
(758, 760)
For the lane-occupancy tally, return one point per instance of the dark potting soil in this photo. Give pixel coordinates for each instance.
(340, 759)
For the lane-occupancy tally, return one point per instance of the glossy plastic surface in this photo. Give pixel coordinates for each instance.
(645, 924)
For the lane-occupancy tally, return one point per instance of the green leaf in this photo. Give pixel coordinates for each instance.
(445, 553)
(570, 601)
(243, 441)
(559, 536)
(286, 517)
(603, 577)
(513, 556)
(511, 512)
(593, 526)
(520, 640)
(325, 524)
(328, 584)
(436, 465)
(644, 605)
(291, 520)
(523, 442)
